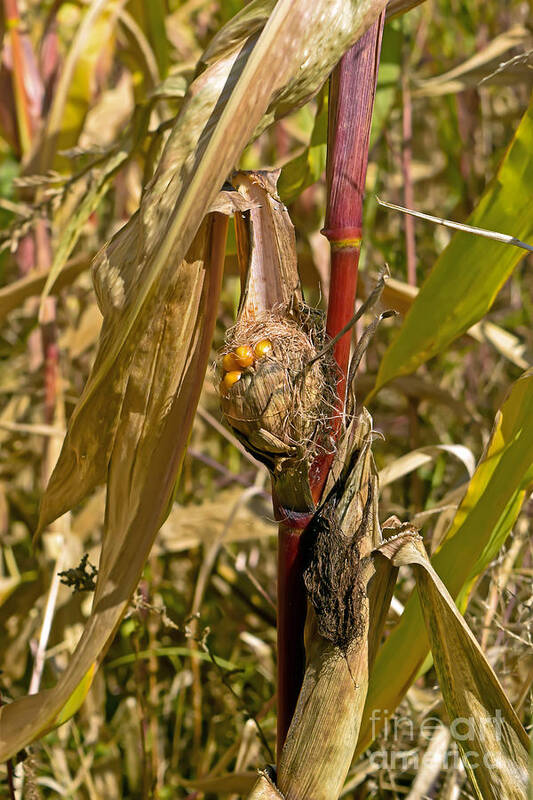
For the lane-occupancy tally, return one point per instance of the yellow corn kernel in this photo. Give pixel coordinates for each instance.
(244, 356)
(229, 379)
(229, 363)
(262, 348)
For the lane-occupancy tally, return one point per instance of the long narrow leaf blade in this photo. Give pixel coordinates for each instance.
(157, 410)
(464, 282)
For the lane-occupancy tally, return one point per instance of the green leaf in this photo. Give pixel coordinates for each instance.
(483, 521)
(155, 17)
(145, 24)
(468, 275)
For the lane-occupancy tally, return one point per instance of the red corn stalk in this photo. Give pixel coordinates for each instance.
(408, 195)
(352, 91)
(291, 611)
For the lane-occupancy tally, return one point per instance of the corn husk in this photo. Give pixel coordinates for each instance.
(348, 597)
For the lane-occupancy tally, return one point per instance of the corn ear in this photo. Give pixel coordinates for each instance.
(276, 406)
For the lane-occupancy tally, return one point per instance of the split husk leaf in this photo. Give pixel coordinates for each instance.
(349, 592)
(493, 743)
(348, 598)
(483, 522)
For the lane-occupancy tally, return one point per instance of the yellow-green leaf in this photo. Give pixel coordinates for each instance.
(77, 697)
(307, 167)
(483, 521)
(468, 275)
(493, 743)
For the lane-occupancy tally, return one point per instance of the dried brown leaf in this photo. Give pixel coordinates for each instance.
(493, 743)
(157, 406)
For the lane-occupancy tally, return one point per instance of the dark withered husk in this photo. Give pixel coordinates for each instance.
(334, 554)
(281, 405)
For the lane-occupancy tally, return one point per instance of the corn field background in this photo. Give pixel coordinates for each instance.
(183, 704)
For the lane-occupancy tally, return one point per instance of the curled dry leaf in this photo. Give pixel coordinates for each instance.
(474, 69)
(493, 743)
(425, 455)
